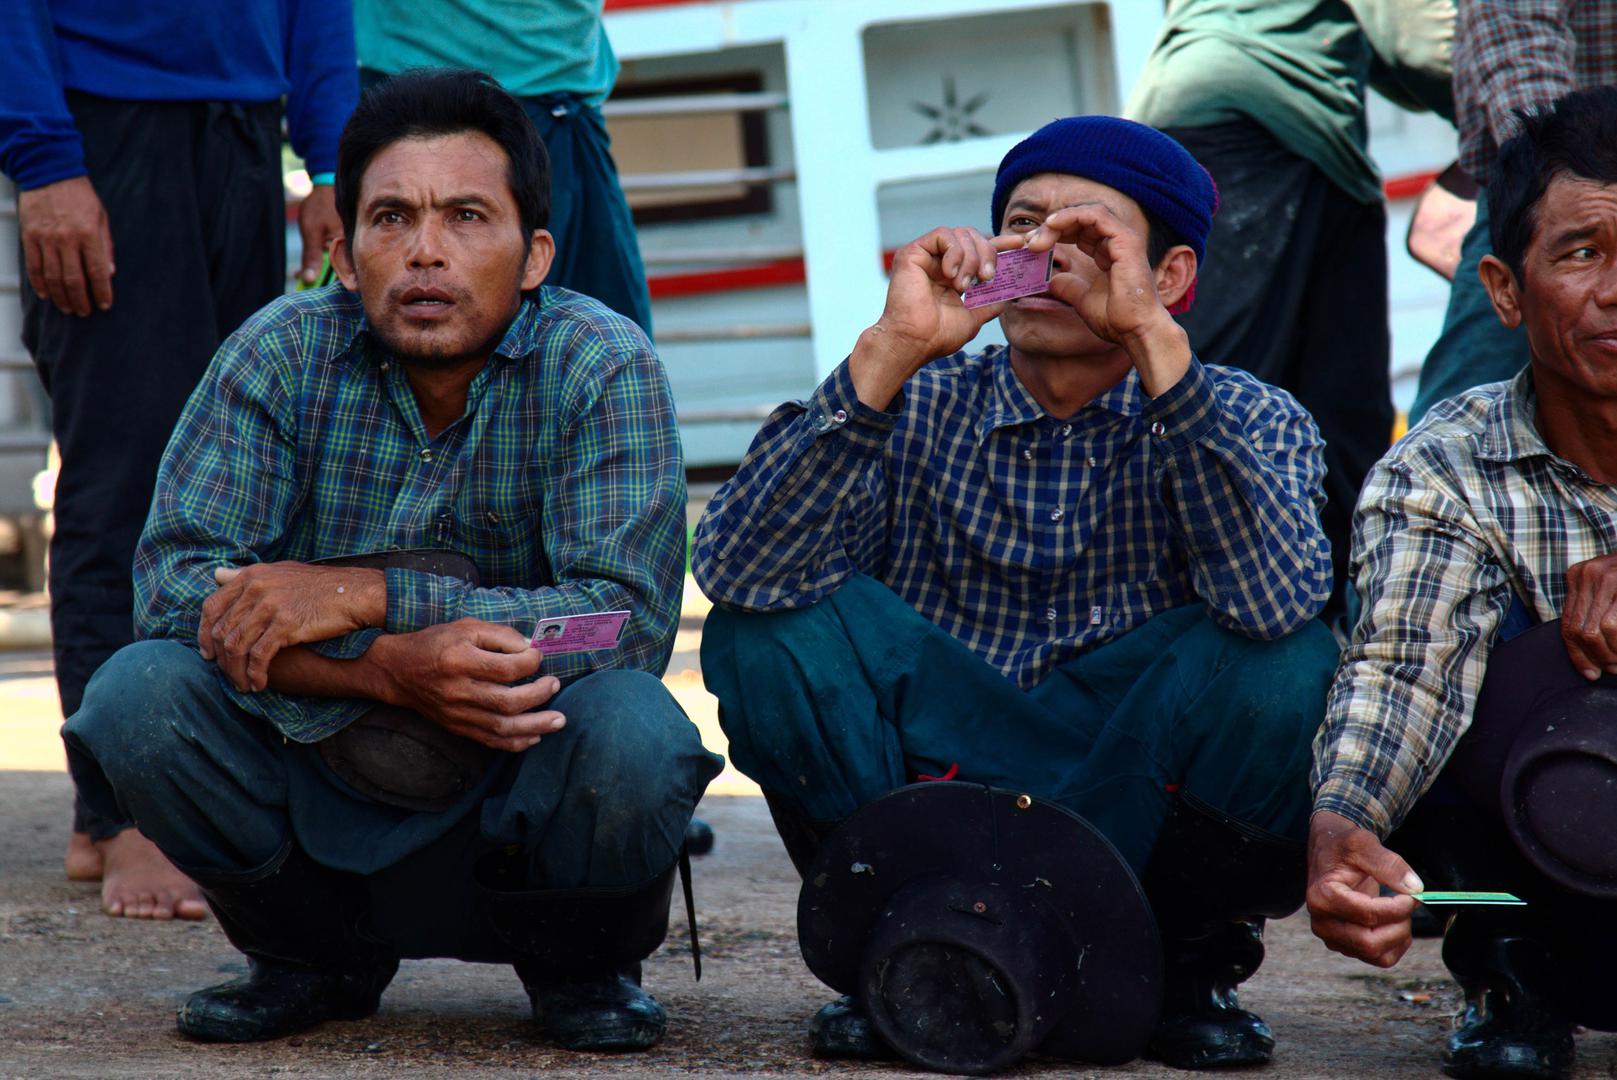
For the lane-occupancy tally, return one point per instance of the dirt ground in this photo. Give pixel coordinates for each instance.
(84, 995)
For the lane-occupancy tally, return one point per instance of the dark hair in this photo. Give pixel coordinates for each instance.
(1575, 136)
(1158, 238)
(427, 102)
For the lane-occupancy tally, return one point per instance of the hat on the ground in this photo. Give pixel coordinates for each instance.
(976, 925)
(1543, 743)
(1143, 163)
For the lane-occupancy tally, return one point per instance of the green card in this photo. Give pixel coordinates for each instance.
(1502, 898)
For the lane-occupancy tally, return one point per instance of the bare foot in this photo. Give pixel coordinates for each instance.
(82, 861)
(138, 882)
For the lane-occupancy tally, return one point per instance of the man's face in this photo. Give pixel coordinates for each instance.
(1042, 325)
(439, 255)
(1567, 298)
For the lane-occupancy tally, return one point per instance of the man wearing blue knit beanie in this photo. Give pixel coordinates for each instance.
(1082, 566)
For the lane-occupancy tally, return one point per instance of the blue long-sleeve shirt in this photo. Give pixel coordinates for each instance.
(1030, 538)
(180, 50)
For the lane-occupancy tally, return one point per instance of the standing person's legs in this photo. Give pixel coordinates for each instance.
(193, 208)
(1474, 346)
(1294, 290)
(597, 249)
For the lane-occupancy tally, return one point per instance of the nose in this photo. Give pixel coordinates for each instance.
(426, 246)
(1061, 256)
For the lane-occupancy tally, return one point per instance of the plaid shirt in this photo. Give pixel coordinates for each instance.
(1524, 54)
(1031, 538)
(1469, 512)
(562, 481)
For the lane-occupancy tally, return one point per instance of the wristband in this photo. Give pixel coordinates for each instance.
(322, 178)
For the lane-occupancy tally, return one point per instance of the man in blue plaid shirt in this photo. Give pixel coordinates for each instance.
(363, 761)
(1083, 566)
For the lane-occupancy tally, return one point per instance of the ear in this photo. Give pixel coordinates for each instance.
(1503, 290)
(342, 261)
(1174, 274)
(541, 253)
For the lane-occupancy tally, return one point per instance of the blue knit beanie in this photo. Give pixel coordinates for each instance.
(1141, 162)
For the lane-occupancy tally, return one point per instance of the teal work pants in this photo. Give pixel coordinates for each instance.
(832, 705)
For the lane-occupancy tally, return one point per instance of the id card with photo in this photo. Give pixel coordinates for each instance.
(579, 633)
(1018, 272)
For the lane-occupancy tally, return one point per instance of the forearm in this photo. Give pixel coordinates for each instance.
(1522, 52)
(39, 143)
(880, 365)
(788, 528)
(1240, 492)
(323, 71)
(303, 672)
(1161, 354)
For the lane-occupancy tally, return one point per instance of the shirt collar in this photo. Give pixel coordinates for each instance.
(1011, 403)
(1511, 430)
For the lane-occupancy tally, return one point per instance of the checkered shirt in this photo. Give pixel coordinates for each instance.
(1031, 538)
(1524, 54)
(563, 481)
(1466, 513)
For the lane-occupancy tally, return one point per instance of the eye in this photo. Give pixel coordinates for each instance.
(1021, 223)
(1584, 253)
(389, 217)
(467, 214)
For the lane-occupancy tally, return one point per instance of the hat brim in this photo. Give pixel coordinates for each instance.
(978, 833)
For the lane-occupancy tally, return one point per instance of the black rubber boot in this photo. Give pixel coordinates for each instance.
(842, 1030)
(308, 958)
(1203, 1025)
(578, 954)
(1513, 1024)
(1212, 881)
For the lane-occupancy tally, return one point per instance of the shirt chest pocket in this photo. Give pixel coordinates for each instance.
(505, 538)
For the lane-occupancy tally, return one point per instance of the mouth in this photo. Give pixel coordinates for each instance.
(426, 303)
(1040, 302)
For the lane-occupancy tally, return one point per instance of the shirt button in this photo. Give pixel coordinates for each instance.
(1049, 614)
(840, 416)
(1092, 461)
(386, 365)
(1158, 429)
(1066, 429)
(426, 454)
(1027, 455)
(1057, 514)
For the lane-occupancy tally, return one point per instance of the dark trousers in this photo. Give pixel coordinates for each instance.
(602, 803)
(833, 705)
(1455, 838)
(1474, 346)
(193, 196)
(597, 249)
(1294, 290)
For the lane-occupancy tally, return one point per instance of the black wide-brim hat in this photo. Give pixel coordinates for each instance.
(1542, 746)
(976, 925)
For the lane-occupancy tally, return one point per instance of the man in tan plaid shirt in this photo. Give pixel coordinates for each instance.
(1496, 513)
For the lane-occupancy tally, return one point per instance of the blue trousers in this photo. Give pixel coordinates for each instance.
(602, 803)
(1474, 346)
(833, 705)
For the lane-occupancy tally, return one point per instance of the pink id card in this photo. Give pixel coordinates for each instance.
(579, 633)
(1018, 272)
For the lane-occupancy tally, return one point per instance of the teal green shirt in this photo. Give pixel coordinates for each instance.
(562, 481)
(1297, 68)
(531, 47)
